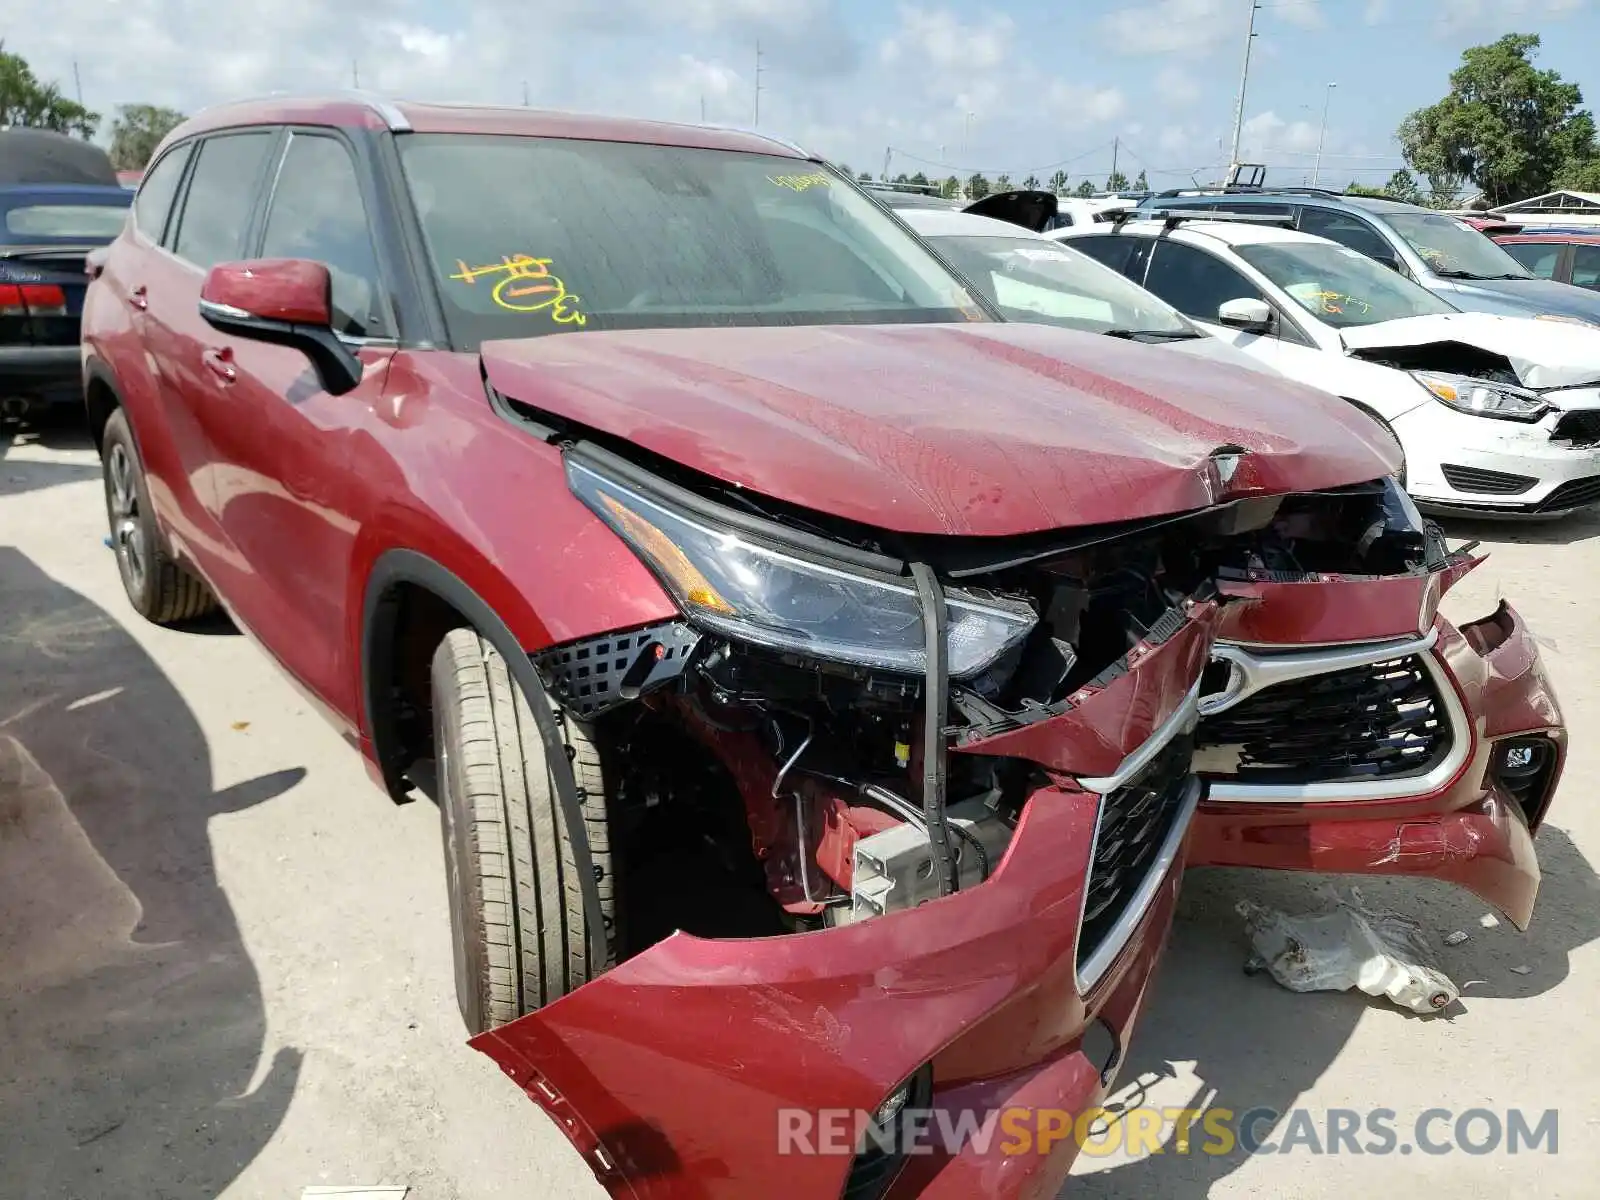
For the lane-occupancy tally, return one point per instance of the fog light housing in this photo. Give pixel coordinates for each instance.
(1525, 767)
(883, 1142)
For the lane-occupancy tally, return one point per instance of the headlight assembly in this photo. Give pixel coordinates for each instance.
(750, 590)
(1481, 398)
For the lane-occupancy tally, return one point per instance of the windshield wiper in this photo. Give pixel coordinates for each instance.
(1474, 275)
(1152, 335)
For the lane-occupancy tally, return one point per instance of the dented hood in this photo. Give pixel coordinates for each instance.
(1543, 353)
(982, 429)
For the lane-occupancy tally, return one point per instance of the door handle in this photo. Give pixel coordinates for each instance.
(140, 298)
(219, 361)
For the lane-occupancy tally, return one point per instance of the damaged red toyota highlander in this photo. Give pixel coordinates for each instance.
(826, 681)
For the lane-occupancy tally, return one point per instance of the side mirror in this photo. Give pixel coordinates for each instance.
(286, 301)
(1254, 316)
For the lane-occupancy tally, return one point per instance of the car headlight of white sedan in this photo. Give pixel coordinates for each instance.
(1481, 398)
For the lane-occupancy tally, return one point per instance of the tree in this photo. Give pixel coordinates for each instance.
(1506, 126)
(950, 189)
(1003, 183)
(137, 130)
(866, 177)
(1116, 182)
(1085, 188)
(1360, 189)
(1141, 184)
(920, 179)
(1058, 182)
(1404, 187)
(902, 178)
(977, 186)
(844, 169)
(1031, 183)
(26, 101)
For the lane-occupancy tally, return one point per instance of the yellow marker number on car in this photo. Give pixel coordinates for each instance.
(526, 284)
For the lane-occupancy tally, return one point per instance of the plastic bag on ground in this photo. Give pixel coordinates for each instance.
(1350, 946)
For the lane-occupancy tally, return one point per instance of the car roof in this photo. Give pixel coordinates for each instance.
(1231, 233)
(938, 222)
(1549, 235)
(359, 111)
(1372, 204)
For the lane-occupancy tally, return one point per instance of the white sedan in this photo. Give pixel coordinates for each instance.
(1495, 414)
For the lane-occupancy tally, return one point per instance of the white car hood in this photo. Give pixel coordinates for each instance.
(1544, 354)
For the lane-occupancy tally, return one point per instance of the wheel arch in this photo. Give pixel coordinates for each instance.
(400, 578)
(101, 398)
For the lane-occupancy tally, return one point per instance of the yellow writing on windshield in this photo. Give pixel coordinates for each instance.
(801, 183)
(526, 284)
(1336, 302)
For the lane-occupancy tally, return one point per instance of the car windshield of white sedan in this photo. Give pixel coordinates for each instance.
(1454, 250)
(529, 236)
(1030, 279)
(1339, 286)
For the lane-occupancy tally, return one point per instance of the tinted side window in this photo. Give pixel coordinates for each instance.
(222, 193)
(317, 213)
(1118, 253)
(1194, 282)
(1347, 231)
(156, 192)
(1586, 266)
(1246, 208)
(1539, 257)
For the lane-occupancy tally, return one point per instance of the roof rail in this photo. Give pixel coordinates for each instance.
(919, 189)
(776, 141)
(1172, 217)
(385, 108)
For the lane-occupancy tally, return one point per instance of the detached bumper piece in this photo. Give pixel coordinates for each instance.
(1381, 721)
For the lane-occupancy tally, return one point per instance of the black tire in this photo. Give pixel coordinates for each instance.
(516, 904)
(158, 587)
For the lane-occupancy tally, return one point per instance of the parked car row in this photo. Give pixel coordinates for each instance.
(825, 677)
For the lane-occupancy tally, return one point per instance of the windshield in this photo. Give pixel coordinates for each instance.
(1454, 250)
(530, 236)
(35, 220)
(1338, 285)
(1030, 279)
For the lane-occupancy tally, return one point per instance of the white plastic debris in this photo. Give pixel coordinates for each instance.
(1522, 970)
(1488, 920)
(1456, 938)
(1382, 953)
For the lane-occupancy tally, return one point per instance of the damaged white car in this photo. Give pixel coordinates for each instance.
(1499, 415)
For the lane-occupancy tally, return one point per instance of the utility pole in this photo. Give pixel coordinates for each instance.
(966, 136)
(756, 124)
(77, 82)
(1116, 146)
(702, 108)
(888, 153)
(1316, 168)
(1244, 79)
(355, 74)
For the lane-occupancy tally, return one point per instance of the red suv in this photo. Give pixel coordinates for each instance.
(821, 676)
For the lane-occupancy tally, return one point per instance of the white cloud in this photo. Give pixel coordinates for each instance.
(1176, 85)
(692, 81)
(1267, 133)
(1376, 12)
(941, 40)
(1078, 104)
(1194, 27)
(1307, 14)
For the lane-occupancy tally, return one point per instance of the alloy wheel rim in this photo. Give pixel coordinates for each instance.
(127, 530)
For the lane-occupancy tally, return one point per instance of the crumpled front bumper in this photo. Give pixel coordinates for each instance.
(1468, 830)
(670, 1072)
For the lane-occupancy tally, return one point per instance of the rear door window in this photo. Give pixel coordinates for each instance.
(1586, 266)
(1126, 255)
(1542, 258)
(157, 191)
(317, 213)
(221, 198)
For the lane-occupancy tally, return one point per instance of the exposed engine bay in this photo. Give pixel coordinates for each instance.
(1456, 358)
(761, 789)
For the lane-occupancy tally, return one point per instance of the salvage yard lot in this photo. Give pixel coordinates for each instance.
(225, 964)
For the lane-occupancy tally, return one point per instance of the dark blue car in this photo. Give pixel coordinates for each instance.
(46, 230)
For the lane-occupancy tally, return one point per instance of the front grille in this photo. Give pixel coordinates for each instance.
(1134, 823)
(1486, 483)
(1579, 428)
(1575, 493)
(1384, 721)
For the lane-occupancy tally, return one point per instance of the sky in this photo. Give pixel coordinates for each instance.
(943, 86)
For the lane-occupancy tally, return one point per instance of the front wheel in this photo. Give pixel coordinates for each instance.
(516, 903)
